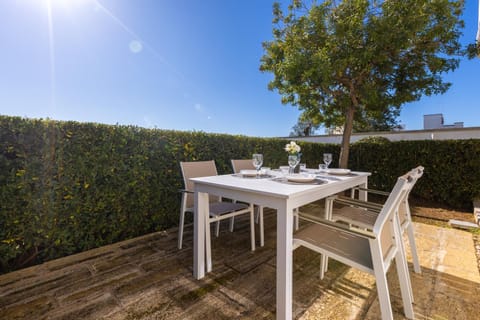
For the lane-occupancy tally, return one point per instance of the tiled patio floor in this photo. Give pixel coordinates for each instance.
(148, 278)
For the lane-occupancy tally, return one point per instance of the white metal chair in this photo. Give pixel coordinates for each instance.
(370, 251)
(247, 164)
(363, 214)
(219, 210)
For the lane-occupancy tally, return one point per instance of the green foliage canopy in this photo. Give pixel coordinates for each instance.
(360, 60)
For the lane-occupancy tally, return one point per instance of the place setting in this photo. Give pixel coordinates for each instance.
(254, 174)
(330, 173)
(258, 173)
(300, 178)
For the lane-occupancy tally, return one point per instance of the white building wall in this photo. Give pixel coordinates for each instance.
(433, 121)
(433, 134)
(436, 121)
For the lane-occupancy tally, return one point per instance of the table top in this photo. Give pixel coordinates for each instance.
(271, 187)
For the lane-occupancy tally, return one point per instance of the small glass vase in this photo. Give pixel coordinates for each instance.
(293, 161)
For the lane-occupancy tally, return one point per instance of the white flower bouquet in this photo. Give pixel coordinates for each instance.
(292, 148)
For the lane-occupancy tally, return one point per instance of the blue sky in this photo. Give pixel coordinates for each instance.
(169, 64)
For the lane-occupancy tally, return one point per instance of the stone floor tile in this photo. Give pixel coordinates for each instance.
(149, 278)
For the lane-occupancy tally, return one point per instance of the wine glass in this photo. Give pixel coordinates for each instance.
(257, 160)
(293, 160)
(327, 159)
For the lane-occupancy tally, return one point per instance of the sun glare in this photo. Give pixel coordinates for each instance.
(52, 55)
(58, 8)
(68, 3)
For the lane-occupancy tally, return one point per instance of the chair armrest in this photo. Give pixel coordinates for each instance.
(376, 207)
(379, 192)
(339, 226)
(185, 191)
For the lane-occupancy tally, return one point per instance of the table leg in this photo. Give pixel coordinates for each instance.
(201, 211)
(327, 215)
(362, 195)
(284, 262)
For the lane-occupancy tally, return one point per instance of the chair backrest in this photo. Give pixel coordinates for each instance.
(242, 164)
(388, 246)
(404, 209)
(384, 226)
(416, 174)
(196, 169)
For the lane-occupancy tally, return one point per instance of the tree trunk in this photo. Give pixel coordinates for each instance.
(347, 133)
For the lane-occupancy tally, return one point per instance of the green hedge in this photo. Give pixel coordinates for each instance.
(452, 168)
(67, 187)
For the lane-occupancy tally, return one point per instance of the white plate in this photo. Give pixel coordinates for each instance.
(301, 177)
(249, 173)
(338, 171)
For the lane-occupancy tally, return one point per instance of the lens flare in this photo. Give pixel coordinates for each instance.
(135, 46)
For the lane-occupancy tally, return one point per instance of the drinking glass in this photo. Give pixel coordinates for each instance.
(293, 160)
(322, 167)
(257, 160)
(327, 158)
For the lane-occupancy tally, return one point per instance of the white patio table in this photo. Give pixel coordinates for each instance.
(273, 194)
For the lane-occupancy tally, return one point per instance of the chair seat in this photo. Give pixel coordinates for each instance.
(221, 208)
(336, 244)
(356, 216)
